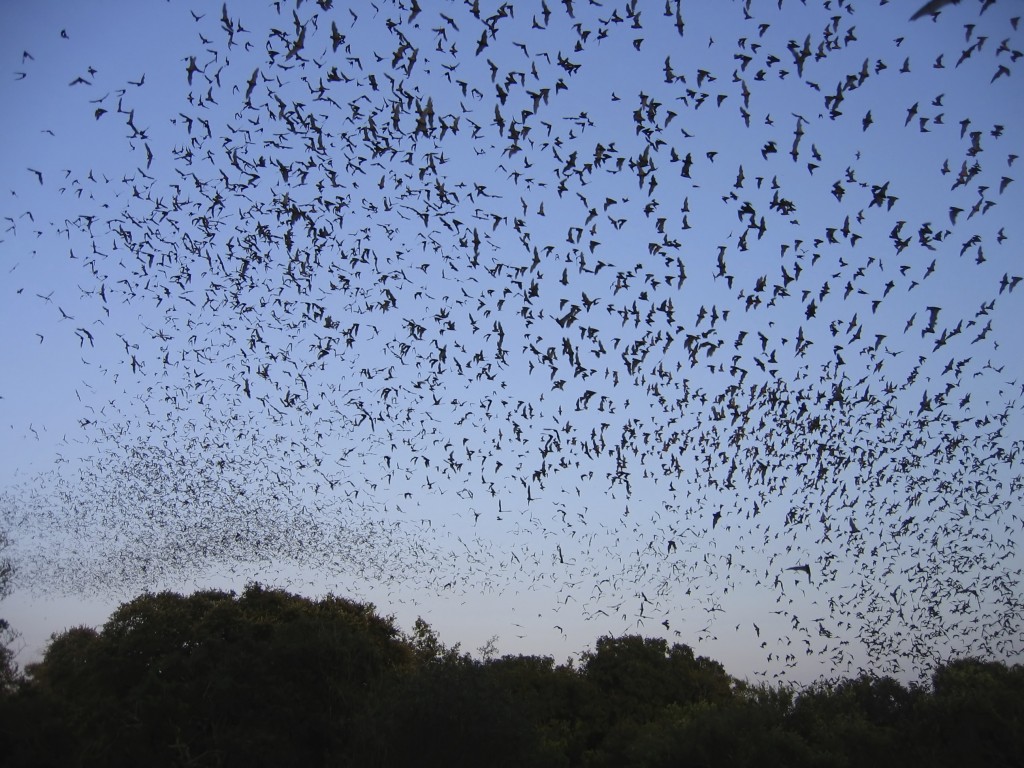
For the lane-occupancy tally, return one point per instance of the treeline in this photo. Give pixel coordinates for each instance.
(270, 678)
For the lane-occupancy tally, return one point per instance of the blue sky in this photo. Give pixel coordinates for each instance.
(390, 304)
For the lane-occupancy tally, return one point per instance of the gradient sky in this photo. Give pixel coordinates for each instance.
(475, 388)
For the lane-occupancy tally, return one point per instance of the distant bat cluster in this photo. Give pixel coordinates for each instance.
(656, 308)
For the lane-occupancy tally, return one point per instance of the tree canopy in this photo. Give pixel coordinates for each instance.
(266, 677)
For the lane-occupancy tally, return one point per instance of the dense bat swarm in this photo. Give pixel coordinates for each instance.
(712, 336)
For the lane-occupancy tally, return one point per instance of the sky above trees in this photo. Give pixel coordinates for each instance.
(543, 321)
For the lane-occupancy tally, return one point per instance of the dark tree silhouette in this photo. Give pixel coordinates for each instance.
(269, 678)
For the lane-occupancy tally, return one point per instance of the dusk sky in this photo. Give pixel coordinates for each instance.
(539, 320)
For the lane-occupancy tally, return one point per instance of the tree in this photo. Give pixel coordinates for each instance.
(975, 714)
(861, 721)
(264, 678)
(636, 681)
(449, 709)
(270, 678)
(8, 668)
(647, 674)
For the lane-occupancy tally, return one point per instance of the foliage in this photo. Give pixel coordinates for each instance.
(976, 714)
(215, 679)
(269, 678)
